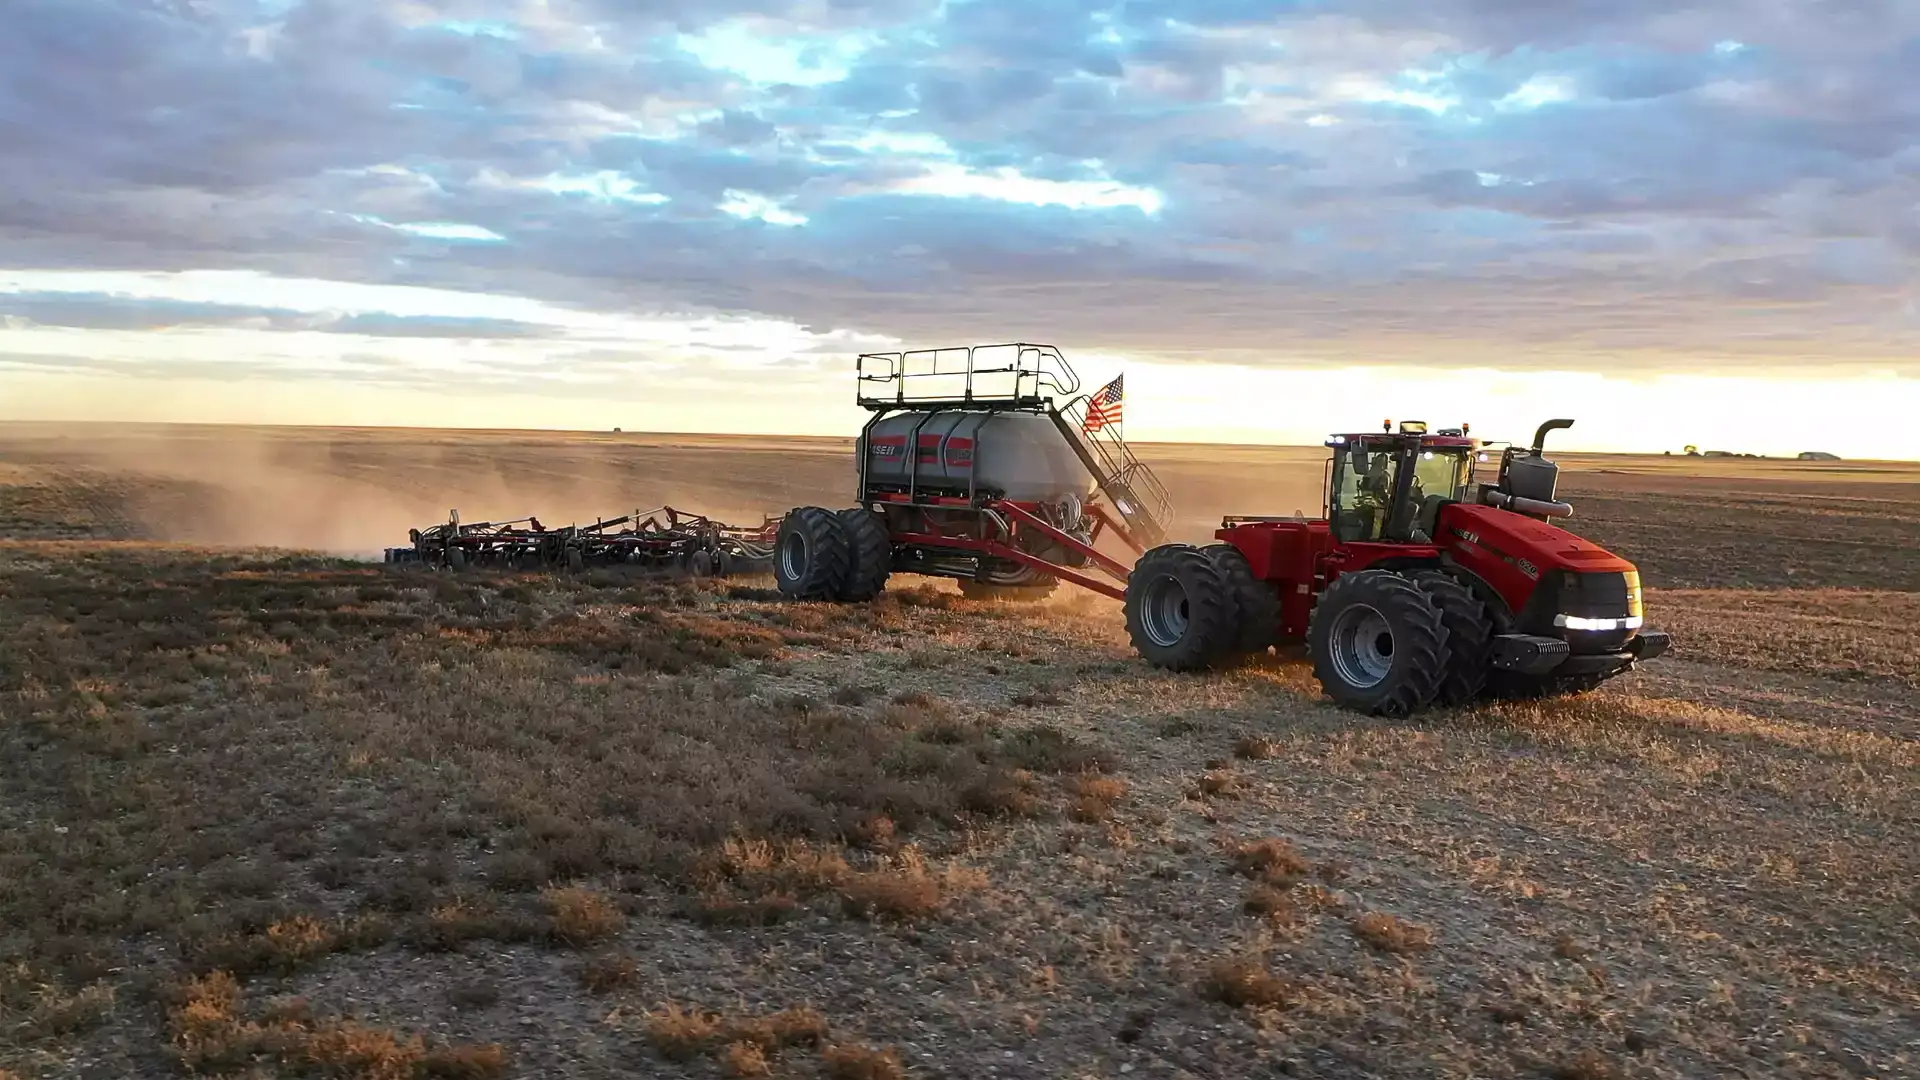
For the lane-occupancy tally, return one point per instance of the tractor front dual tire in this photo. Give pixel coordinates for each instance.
(1181, 611)
(1379, 644)
(811, 554)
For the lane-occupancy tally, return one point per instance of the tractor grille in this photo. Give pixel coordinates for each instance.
(1603, 595)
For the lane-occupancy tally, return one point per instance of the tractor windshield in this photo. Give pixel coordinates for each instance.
(1367, 500)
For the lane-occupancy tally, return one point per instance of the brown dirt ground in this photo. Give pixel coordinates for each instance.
(271, 814)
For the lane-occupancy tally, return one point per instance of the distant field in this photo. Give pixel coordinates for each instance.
(266, 813)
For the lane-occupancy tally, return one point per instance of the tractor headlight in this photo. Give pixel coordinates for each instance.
(1581, 622)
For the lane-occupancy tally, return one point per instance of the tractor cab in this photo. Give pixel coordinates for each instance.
(1389, 487)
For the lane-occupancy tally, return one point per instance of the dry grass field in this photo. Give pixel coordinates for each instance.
(270, 812)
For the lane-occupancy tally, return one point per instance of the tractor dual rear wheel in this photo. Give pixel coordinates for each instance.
(1378, 643)
(1256, 601)
(1181, 610)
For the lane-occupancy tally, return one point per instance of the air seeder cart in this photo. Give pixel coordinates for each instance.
(979, 463)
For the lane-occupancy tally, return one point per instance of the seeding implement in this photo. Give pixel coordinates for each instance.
(663, 538)
(1416, 588)
(979, 463)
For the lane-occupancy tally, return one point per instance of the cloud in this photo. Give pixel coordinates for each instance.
(1579, 185)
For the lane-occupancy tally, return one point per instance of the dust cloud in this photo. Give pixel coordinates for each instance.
(356, 492)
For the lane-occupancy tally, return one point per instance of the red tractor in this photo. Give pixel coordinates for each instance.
(1414, 590)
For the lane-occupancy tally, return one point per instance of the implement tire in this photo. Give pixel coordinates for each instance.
(1469, 636)
(1181, 611)
(1258, 601)
(811, 555)
(869, 555)
(1378, 644)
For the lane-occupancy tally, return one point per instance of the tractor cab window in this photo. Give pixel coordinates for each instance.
(1438, 476)
(1362, 492)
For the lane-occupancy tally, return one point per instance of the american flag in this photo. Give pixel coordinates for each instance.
(1103, 407)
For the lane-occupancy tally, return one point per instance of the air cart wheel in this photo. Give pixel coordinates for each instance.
(701, 563)
(811, 555)
(1378, 643)
(456, 558)
(869, 555)
(575, 560)
(1181, 611)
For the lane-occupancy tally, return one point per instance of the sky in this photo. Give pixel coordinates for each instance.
(1678, 223)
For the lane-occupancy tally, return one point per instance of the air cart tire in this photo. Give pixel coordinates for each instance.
(456, 558)
(1378, 643)
(701, 563)
(1181, 611)
(870, 555)
(811, 555)
(1257, 601)
(1469, 634)
(575, 560)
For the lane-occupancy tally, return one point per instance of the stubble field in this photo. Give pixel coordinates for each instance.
(278, 813)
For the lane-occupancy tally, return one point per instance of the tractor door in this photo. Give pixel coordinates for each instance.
(1360, 495)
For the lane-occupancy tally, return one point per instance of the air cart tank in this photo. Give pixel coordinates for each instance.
(1017, 455)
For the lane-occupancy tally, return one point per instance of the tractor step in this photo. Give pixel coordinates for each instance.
(1528, 654)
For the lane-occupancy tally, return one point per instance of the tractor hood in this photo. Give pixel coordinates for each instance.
(1532, 546)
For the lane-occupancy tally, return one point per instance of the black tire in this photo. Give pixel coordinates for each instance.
(1378, 644)
(1008, 594)
(1469, 636)
(700, 563)
(810, 555)
(575, 560)
(456, 558)
(870, 554)
(1258, 602)
(1181, 611)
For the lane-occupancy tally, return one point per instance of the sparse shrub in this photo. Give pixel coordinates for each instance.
(1243, 982)
(1389, 933)
(745, 1059)
(605, 974)
(853, 1061)
(800, 1025)
(1589, 1065)
(1271, 904)
(1218, 784)
(1567, 947)
(1272, 860)
(465, 1062)
(1256, 748)
(682, 1034)
(1047, 749)
(581, 915)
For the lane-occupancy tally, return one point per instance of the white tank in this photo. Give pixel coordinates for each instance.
(1018, 455)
